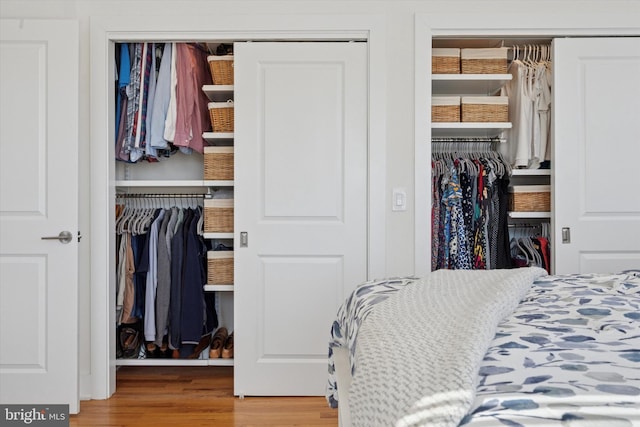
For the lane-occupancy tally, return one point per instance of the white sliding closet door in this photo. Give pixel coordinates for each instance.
(301, 196)
(38, 198)
(597, 154)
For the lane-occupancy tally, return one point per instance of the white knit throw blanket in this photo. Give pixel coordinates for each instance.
(418, 353)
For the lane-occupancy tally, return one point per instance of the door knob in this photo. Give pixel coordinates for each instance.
(63, 237)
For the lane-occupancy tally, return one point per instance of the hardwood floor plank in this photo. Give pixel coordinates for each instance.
(195, 396)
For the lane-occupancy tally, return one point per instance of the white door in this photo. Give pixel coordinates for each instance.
(38, 198)
(597, 154)
(301, 196)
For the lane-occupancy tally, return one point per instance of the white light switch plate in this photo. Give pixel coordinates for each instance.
(399, 199)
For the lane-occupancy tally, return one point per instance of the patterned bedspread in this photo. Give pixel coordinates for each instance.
(568, 355)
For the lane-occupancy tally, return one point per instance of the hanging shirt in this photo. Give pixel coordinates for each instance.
(161, 98)
(152, 280)
(133, 97)
(192, 103)
(519, 137)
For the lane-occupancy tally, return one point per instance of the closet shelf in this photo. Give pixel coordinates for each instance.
(218, 93)
(462, 129)
(529, 214)
(174, 362)
(531, 172)
(216, 137)
(218, 288)
(468, 84)
(173, 183)
(218, 235)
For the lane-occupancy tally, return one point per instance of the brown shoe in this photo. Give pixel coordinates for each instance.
(205, 340)
(227, 349)
(219, 338)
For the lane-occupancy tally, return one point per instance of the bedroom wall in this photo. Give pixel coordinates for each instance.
(399, 18)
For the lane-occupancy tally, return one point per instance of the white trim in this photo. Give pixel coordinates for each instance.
(107, 30)
(533, 24)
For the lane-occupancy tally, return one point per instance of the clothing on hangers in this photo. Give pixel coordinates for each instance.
(469, 205)
(161, 264)
(529, 93)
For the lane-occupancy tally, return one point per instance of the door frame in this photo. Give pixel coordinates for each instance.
(534, 24)
(105, 32)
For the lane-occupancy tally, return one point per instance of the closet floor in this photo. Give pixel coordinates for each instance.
(195, 396)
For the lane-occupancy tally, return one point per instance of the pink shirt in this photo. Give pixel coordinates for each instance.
(192, 103)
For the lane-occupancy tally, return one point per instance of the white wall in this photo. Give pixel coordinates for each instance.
(400, 142)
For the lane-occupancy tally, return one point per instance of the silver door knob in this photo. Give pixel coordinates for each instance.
(63, 237)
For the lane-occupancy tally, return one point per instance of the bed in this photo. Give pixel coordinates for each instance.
(489, 348)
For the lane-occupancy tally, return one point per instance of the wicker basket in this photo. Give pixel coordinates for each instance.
(218, 163)
(530, 198)
(445, 61)
(484, 61)
(445, 109)
(221, 68)
(221, 114)
(485, 108)
(220, 267)
(218, 215)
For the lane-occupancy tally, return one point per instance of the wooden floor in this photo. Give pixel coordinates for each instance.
(195, 396)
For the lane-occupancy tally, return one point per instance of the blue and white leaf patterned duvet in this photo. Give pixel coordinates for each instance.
(568, 356)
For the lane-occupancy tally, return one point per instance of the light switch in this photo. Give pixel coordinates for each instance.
(399, 199)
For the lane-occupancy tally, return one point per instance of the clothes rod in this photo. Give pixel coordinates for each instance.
(468, 139)
(157, 196)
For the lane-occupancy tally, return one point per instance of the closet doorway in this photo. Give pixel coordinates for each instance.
(370, 158)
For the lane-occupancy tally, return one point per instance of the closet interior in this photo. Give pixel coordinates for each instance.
(174, 203)
(490, 145)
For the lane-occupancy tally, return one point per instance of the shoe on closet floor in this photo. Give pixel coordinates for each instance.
(217, 343)
(227, 349)
(204, 342)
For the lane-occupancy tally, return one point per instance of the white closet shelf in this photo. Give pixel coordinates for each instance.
(529, 214)
(173, 183)
(469, 84)
(218, 93)
(531, 172)
(217, 235)
(453, 129)
(217, 183)
(174, 362)
(213, 137)
(219, 288)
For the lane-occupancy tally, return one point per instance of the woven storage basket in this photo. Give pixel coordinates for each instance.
(218, 215)
(218, 163)
(221, 68)
(484, 61)
(485, 108)
(220, 267)
(221, 115)
(445, 109)
(445, 61)
(530, 198)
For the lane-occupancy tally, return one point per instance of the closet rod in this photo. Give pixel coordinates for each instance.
(157, 196)
(467, 139)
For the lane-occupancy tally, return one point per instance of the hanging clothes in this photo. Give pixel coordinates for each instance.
(469, 210)
(161, 264)
(160, 105)
(529, 92)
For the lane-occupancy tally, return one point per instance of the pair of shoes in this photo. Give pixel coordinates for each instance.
(227, 349)
(217, 343)
(205, 340)
(130, 340)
